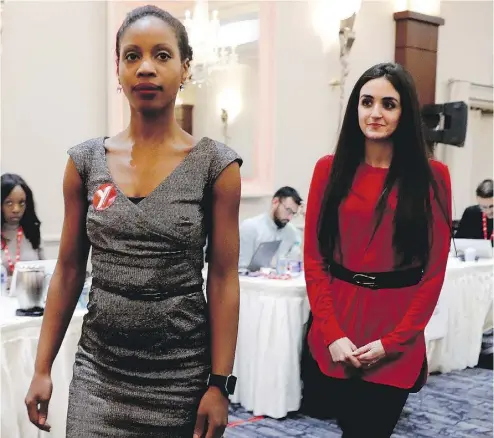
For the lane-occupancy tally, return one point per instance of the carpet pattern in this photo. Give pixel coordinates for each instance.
(454, 405)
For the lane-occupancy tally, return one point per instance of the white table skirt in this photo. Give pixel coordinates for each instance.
(273, 315)
(19, 340)
(465, 313)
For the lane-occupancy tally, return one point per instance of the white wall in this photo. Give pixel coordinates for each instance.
(53, 94)
(483, 154)
(466, 53)
(306, 106)
(465, 48)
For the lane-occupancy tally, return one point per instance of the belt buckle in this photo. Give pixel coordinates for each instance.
(365, 281)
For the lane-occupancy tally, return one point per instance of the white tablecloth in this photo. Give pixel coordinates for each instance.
(464, 312)
(273, 315)
(18, 342)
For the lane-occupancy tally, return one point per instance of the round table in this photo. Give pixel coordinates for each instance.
(273, 316)
(463, 314)
(18, 343)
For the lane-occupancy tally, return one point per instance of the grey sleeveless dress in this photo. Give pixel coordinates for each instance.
(144, 356)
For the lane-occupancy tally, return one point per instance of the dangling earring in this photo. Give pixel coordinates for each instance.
(119, 89)
(181, 87)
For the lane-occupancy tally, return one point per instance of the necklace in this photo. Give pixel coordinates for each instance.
(484, 227)
(18, 250)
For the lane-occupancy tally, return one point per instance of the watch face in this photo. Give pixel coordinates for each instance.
(230, 384)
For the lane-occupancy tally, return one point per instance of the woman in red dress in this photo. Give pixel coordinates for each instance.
(377, 239)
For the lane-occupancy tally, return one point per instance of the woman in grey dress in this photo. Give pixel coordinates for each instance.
(154, 360)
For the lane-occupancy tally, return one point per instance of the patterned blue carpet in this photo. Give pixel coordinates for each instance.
(454, 405)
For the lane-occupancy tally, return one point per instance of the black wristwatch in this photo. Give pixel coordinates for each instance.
(225, 383)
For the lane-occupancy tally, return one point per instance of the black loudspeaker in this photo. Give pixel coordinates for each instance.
(446, 123)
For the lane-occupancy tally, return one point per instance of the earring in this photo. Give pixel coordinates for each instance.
(181, 87)
(119, 89)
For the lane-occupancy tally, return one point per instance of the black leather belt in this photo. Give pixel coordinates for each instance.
(378, 280)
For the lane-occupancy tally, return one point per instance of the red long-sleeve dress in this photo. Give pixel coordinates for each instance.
(397, 317)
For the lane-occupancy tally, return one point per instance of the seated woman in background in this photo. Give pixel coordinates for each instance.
(21, 238)
(476, 222)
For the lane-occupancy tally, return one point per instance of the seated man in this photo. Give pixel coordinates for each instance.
(476, 222)
(275, 225)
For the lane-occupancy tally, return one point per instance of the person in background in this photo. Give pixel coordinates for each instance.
(21, 237)
(273, 226)
(155, 357)
(476, 221)
(377, 238)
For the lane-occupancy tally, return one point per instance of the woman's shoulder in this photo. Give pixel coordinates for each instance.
(439, 168)
(86, 147)
(324, 164)
(441, 175)
(326, 159)
(220, 154)
(218, 150)
(83, 153)
(216, 156)
(442, 179)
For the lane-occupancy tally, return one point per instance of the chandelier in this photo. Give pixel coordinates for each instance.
(210, 51)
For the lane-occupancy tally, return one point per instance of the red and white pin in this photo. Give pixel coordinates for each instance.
(104, 197)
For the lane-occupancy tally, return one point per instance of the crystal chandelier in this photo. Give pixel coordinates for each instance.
(210, 52)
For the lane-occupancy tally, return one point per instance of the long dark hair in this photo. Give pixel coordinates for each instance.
(29, 222)
(409, 171)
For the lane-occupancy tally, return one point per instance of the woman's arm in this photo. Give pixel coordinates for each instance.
(223, 293)
(68, 278)
(424, 302)
(317, 276)
(223, 289)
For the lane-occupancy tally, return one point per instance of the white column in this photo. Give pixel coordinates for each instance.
(460, 159)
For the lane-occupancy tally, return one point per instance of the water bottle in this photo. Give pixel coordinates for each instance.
(295, 263)
(282, 266)
(4, 292)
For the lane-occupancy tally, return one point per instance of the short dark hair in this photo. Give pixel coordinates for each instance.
(485, 189)
(288, 192)
(153, 11)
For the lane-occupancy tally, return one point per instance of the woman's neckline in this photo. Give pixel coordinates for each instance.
(10, 227)
(375, 169)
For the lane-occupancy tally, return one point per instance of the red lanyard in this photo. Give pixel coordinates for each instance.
(484, 227)
(18, 252)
